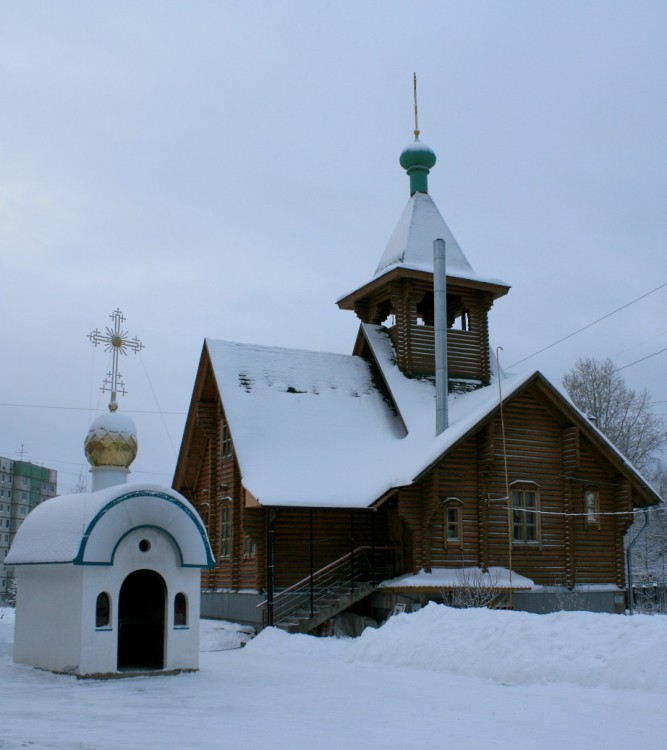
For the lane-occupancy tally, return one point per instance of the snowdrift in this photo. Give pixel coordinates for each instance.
(577, 648)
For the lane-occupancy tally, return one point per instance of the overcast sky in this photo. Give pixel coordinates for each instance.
(229, 169)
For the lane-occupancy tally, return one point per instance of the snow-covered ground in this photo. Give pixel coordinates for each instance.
(438, 678)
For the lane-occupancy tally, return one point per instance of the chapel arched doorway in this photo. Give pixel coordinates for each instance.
(141, 621)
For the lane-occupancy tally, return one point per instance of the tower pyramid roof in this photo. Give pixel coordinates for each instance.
(410, 247)
(410, 250)
(411, 244)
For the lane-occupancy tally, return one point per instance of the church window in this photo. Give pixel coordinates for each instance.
(525, 514)
(249, 546)
(180, 610)
(384, 314)
(204, 508)
(592, 506)
(458, 317)
(453, 522)
(102, 610)
(225, 547)
(225, 439)
(457, 314)
(425, 310)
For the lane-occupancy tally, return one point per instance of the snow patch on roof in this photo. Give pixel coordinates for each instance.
(458, 578)
(115, 423)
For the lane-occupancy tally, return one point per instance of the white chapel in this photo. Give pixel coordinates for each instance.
(108, 581)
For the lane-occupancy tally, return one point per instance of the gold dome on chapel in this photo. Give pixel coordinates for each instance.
(111, 441)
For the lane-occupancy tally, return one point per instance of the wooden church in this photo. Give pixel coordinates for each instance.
(325, 486)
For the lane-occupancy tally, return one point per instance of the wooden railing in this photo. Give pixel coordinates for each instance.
(338, 578)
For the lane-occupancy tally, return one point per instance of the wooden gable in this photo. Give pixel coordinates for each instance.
(208, 474)
(547, 448)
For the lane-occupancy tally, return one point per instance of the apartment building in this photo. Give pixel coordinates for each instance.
(23, 486)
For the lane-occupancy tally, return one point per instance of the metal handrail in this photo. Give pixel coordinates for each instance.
(334, 578)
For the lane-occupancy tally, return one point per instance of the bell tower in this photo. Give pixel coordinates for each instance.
(399, 296)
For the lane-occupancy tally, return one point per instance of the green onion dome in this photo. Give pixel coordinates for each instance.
(417, 159)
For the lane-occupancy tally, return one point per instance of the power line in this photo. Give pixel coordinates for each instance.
(637, 361)
(82, 408)
(651, 509)
(589, 325)
(637, 345)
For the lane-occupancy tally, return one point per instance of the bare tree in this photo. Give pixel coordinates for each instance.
(625, 417)
(474, 588)
(659, 478)
(81, 484)
(622, 414)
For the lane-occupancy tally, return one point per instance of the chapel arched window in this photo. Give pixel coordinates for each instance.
(102, 610)
(180, 609)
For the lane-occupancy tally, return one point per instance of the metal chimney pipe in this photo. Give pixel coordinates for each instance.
(440, 332)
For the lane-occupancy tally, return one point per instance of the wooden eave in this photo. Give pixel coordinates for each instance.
(435, 588)
(348, 302)
(377, 504)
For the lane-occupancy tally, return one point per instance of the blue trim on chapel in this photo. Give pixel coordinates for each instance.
(78, 560)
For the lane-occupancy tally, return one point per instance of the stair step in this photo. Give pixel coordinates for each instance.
(329, 605)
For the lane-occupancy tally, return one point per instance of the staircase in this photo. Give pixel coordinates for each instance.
(329, 591)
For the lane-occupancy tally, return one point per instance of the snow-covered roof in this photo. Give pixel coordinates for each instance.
(85, 528)
(411, 244)
(315, 429)
(460, 578)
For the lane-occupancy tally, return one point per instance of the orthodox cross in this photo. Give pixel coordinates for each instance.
(116, 341)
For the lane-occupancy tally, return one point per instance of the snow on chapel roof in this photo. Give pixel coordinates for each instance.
(85, 528)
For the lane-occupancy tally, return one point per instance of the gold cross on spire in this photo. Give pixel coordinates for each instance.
(116, 341)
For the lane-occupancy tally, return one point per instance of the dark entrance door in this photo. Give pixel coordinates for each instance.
(141, 610)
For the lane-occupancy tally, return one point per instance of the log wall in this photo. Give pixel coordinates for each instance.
(209, 479)
(561, 464)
